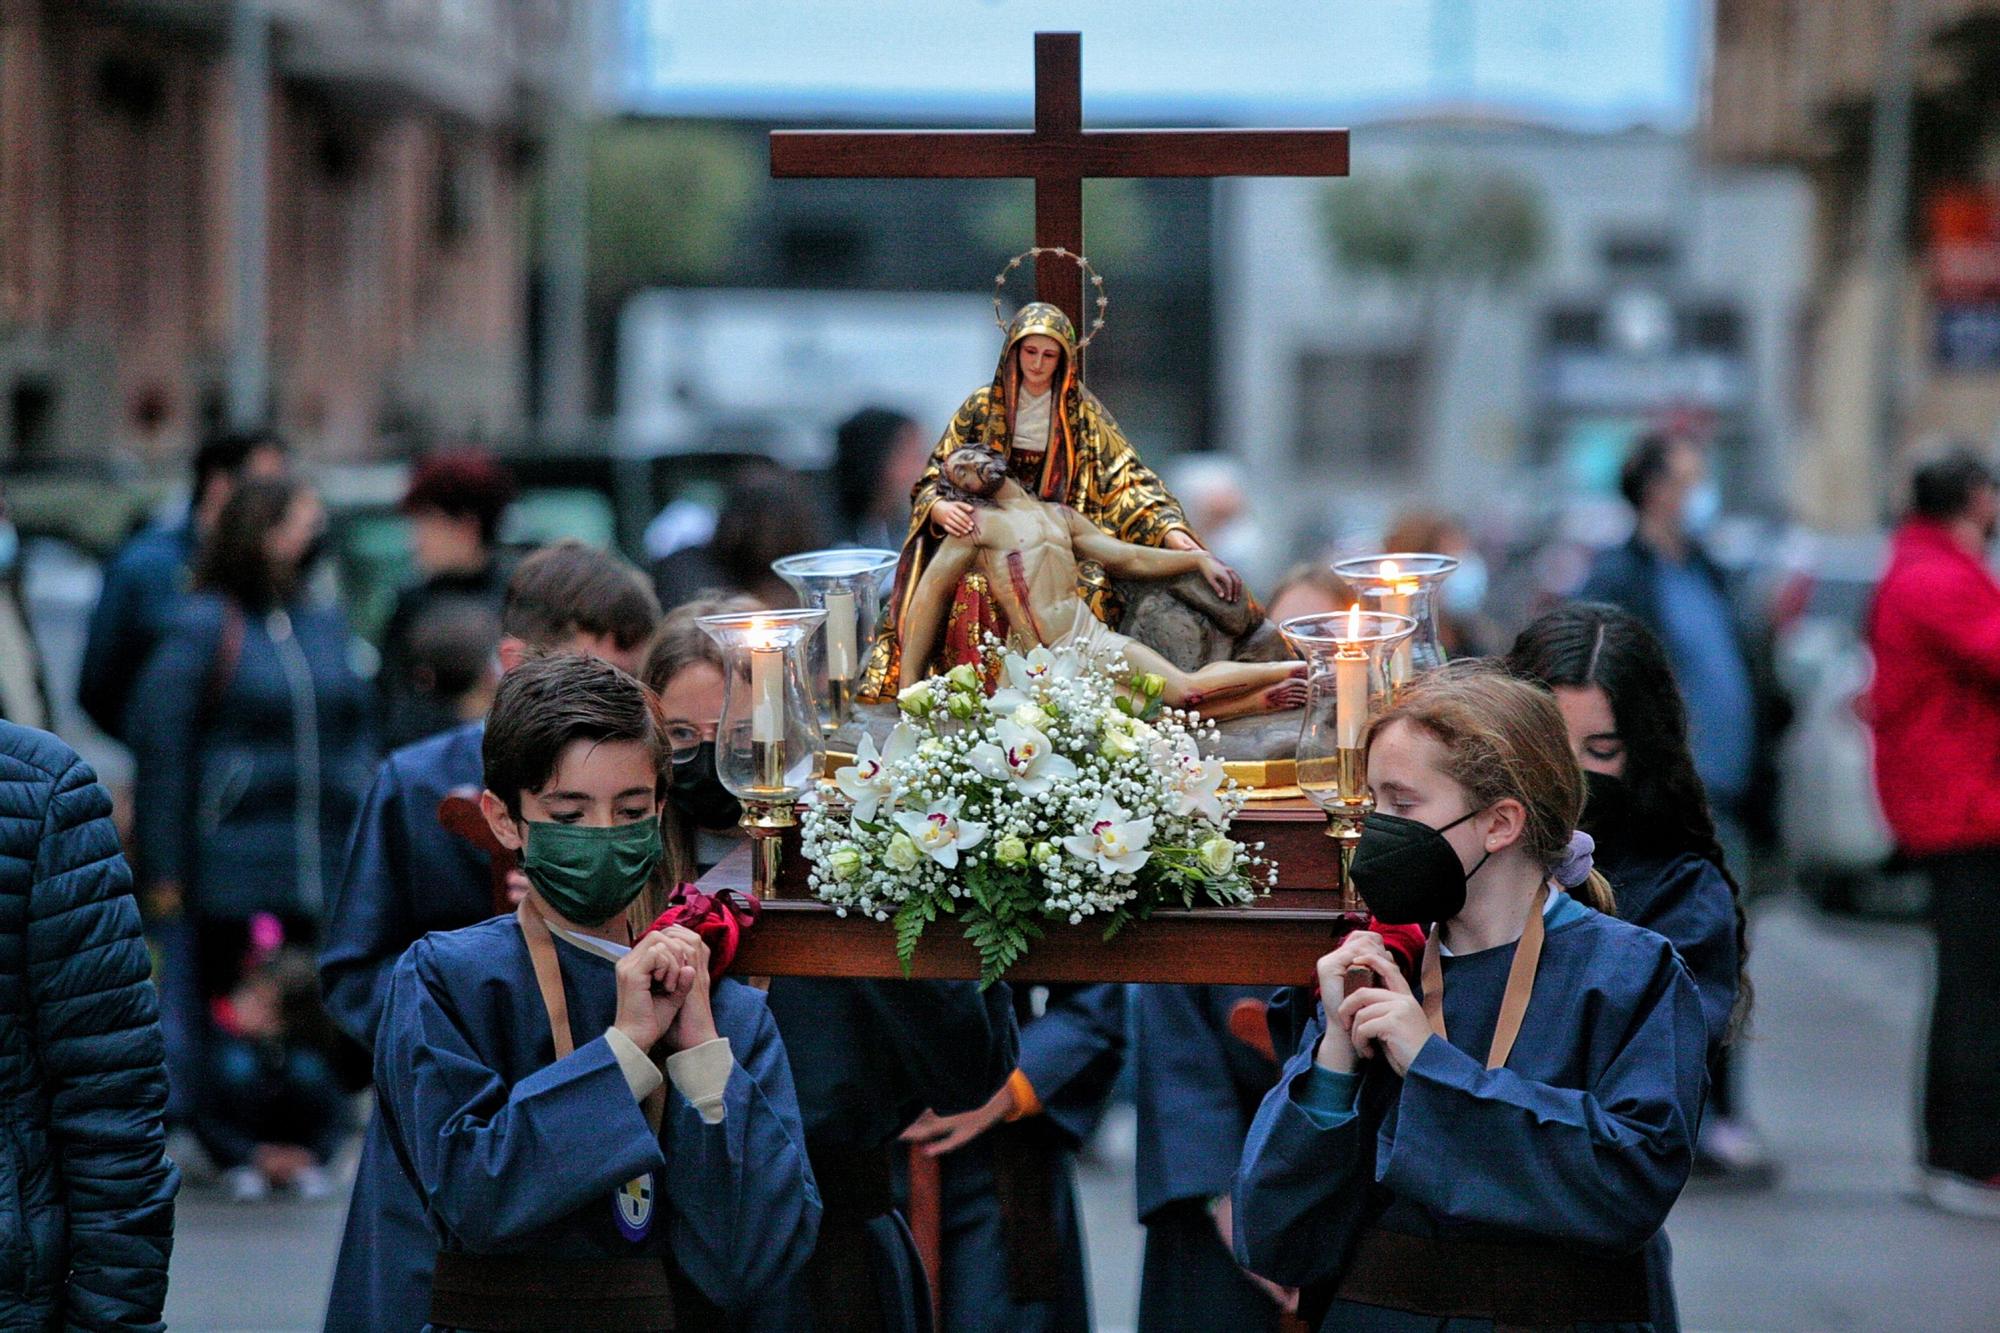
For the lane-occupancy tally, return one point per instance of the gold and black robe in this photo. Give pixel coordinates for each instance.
(1088, 465)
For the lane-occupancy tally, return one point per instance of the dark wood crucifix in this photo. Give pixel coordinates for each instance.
(1058, 155)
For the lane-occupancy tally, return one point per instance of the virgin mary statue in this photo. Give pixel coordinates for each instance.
(1060, 443)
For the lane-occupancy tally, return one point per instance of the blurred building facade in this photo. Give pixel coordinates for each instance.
(397, 137)
(1799, 84)
(1664, 290)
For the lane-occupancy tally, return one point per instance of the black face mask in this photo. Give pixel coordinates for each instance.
(1406, 871)
(698, 793)
(1607, 810)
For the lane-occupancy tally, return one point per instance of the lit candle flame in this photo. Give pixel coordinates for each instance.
(1391, 574)
(1354, 623)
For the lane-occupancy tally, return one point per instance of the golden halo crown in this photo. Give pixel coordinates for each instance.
(1036, 252)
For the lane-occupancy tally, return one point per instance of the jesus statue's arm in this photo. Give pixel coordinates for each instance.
(1149, 562)
(930, 603)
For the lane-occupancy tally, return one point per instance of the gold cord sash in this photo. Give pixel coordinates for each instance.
(1520, 983)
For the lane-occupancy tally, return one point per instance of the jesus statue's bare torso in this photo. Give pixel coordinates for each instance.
(1028, 550)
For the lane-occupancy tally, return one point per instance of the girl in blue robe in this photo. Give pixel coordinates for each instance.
(1649, 816)
(570, 1180)
(1013, 1251)
(1494, 1147)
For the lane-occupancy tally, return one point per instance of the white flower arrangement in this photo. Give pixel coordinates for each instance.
(1068, 794)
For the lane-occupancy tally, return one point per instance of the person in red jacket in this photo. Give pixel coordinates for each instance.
(1935, 633)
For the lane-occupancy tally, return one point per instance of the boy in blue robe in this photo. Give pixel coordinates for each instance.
(599, 1139)
(1013, 1253)
(1495, 1147)
(406, 876)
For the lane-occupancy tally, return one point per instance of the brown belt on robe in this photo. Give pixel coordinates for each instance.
(1025, 1168)
(1518, 1287)
(854, 1188)
(513, 1293)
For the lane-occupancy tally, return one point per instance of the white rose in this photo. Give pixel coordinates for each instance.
(902, 856)
(1118, 743)
(1032, 717)
(844, 864)
(1218, 856)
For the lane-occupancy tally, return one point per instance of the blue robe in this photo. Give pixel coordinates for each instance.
(516, 1152)
(1685, 898)
(404, 876)
(1585, 1138)
(868, 1058)
(1196, 1088)
(1070, 1055)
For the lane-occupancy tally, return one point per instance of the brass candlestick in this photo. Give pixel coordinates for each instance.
(1345, 816)
(766, 819)
(1346, 685)
(1345, 819)
(766, 822)
(840, 704)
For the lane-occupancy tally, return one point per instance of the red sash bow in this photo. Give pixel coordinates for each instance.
(721, 919)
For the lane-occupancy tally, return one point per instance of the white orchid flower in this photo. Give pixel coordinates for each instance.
(940, 834)
(1197, 782)
(1024, 757)
(867, 782)
(1116, 842)
(1025, 674)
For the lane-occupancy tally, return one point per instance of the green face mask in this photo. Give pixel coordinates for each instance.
(590, 875)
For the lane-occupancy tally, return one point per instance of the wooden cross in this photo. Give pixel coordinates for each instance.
(1058, 155)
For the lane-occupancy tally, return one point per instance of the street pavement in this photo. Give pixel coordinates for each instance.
(1839, 1246)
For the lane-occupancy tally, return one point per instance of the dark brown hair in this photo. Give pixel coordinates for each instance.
(548, 702)
(681, 642)
(1588, 644)
(233, 560)
(1504, 739)
(569, 588)
(463, 482)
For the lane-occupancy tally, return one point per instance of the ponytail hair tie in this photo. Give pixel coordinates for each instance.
(1575, 867)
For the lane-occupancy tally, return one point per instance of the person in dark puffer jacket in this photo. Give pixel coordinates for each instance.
(86, 1188)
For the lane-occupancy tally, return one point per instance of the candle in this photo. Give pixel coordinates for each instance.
(767, 694)
(1396, 595)
(840, 633)
(1350, 686)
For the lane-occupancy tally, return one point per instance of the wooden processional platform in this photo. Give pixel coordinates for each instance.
(1274, 942)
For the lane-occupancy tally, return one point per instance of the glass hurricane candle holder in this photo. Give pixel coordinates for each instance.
(1346, 686)
(768, 746)
(848, 585)
(1403, 583)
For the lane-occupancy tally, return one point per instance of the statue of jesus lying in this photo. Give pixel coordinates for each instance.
(1028, 550)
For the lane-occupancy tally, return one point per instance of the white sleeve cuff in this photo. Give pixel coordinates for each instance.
(701, 1073)
(642, 1074)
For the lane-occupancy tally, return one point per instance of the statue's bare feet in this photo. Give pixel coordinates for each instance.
(1286, 694)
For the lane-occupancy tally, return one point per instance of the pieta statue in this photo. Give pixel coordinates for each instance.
(1061, 445)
